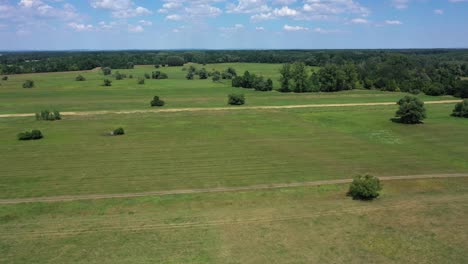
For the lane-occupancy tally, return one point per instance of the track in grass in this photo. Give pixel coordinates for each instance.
(215, 190)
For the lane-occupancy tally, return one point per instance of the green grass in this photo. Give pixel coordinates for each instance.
(415, 221)
(60, 91)
(165, 151)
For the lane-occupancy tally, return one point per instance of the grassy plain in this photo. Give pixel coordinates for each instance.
(415, 221)
(165, 151)
(61, 91)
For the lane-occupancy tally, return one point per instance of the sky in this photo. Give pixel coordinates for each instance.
(232, 24)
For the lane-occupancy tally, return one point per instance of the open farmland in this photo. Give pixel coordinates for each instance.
(415, 221)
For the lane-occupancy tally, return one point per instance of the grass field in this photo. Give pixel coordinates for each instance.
(163, 151)
(415, 221)
(61, 91)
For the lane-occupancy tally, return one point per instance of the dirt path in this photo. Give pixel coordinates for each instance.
(175, 110)
(214, 190)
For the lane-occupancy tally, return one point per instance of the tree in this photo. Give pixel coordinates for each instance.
(365, 187)
(189, 75)
(461, 109)
(286, 75)
(5, 78)
(119, 76)
(236, 99)
(216, 76)
(106, 71)
(147, 76)
(107, 82)
(80, 78)
(462, 89)
(33, 135)
(231, 71)
(28, 84)
(411, 110)
(299, 76)
(175, 61)
(269, 84)
(118, 132)
(157, 102)
(237, 81)
(141, 81)
(48, 115)
(203, 74)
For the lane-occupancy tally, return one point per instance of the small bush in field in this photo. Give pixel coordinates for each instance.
(48, 115)
(236, 99)
(461, 109)
(5, 78)
(107, 82)
(80, 78)
(157, 102)
(141, 81)
(118, 132)
(365, 187)
(33, 135)
(28, 84)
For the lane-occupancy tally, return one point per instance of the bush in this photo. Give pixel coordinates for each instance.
(157, 66)
(107, 82)
(33, 135)
(80, 78)
(461, 109)
(118, 132)
(147, 76)
(28, 84)
(48, 115)
(159, 75)
(365, 187)
(5, 78)
(157, 102)
(120, 76)
(411, 111)
(189, 75)
(130, 76)
(141, 81)
(203, 74)
(106, 71)
(236, 99)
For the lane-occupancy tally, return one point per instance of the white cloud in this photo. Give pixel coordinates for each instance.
(135, 28)
(327, 31)
(174, 17)
(359, 21)
(285, 11)
(248, 6)
(393, 22)
(190, 9)
(260, 28)
(121, 8)
(80, 27)
(335, 7)
(294, 28)
(284, 2)
(145, 23)
(400, 4)
(439, 12)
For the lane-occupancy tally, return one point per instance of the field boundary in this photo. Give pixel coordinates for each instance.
(198, 109)
(214, 190)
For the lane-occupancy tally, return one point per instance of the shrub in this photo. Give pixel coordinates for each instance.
(203, 74)
(141, 81)
(411, 111)
(120, 76)
(461, 109)
(130, 76)
(157, 102)
(106, 71)
(236, 99)
(159, 75)
(48, 115)
(5, 78)
(147, 76)
(28, 84)
(157, 66)
(189, 75)
(107, 82)
(33, 135)
(365, 187)
(118, 132)
(80, 78)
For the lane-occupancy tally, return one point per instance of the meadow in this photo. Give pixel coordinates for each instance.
(414, 221)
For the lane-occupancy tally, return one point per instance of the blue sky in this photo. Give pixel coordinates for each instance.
(232, 24)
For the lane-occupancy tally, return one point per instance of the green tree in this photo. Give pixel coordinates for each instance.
(299, 76)
(157, 102)
(236, 99)
(175, 61)
(118, 132)
(203, 74)
(461, 109)
(107, 82)
(106, 71)
(80, 78)
(285, 72)
(411, 110)
(141, 81)
(28, 84)
(189, 75)
(365, 187)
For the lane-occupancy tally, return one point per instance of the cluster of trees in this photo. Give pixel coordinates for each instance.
(192, 71)
(48, 115)
(250, 81)
(33, 135)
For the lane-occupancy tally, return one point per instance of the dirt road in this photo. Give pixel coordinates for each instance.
(214, 190)
(176, 110)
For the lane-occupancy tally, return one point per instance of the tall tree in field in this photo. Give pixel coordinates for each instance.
(300, 77)
(411, 111)
(285, 78)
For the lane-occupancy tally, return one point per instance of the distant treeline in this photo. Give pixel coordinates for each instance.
(31, 62)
